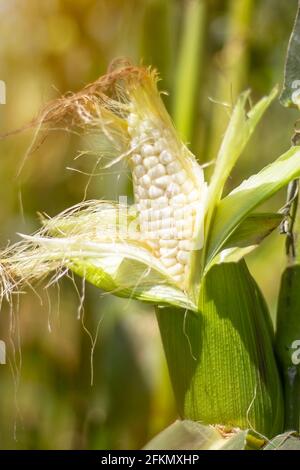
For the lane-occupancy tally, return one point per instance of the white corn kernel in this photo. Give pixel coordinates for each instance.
(193, 195)
(173, 189)
(176, 269)
(185, 245)
(136, 159)
(160, 203)
(172, 168)
(179, 213)
(166, 157)
(157, 171)
(167, 234)
(180, 177)
(160, 145)
(187, 186)
(150, 162)
(168, 262)
(183, 256)
(156, 134)
(142, 193)
(147, 150)
(152, 235)
(155, 192)
(143, 205)
(179, 278)
(165, 212)
(166, 243)
(163, 181)
(146, 181)
(167, 222)
(168, 252)
(187, 233)
(139, 171)
(179, 200)
(146, 126)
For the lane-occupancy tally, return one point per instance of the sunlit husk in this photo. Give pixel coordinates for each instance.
(221, 362)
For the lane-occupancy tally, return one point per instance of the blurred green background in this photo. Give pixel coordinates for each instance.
(206, 52)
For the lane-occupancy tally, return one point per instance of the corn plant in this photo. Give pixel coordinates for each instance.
(180, 246)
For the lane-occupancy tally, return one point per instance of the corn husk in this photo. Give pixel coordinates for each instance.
(221, 362)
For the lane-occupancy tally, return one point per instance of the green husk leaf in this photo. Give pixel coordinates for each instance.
(130, 278)
(235, 207)
(221, 362)
(254, 229)
(185, 435)
(125, 269)
(238, 133)
(247, 236)
(287, 441)
(236, 442)
(232, 255)
(189, 435)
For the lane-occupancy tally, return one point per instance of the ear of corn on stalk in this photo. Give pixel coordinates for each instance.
(161, 249)
(180, 227)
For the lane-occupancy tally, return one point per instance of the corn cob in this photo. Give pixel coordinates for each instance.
(167, 192)
(168, 183)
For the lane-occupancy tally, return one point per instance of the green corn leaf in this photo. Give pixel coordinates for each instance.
(288, 344)
(254, 229)
(235, 207)
(157, 38)
(231, 255)
(234, 61)
(239, 131)
(248, 236)
(290, 93)
(189, 435)
(221, 362)
(187, 69)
